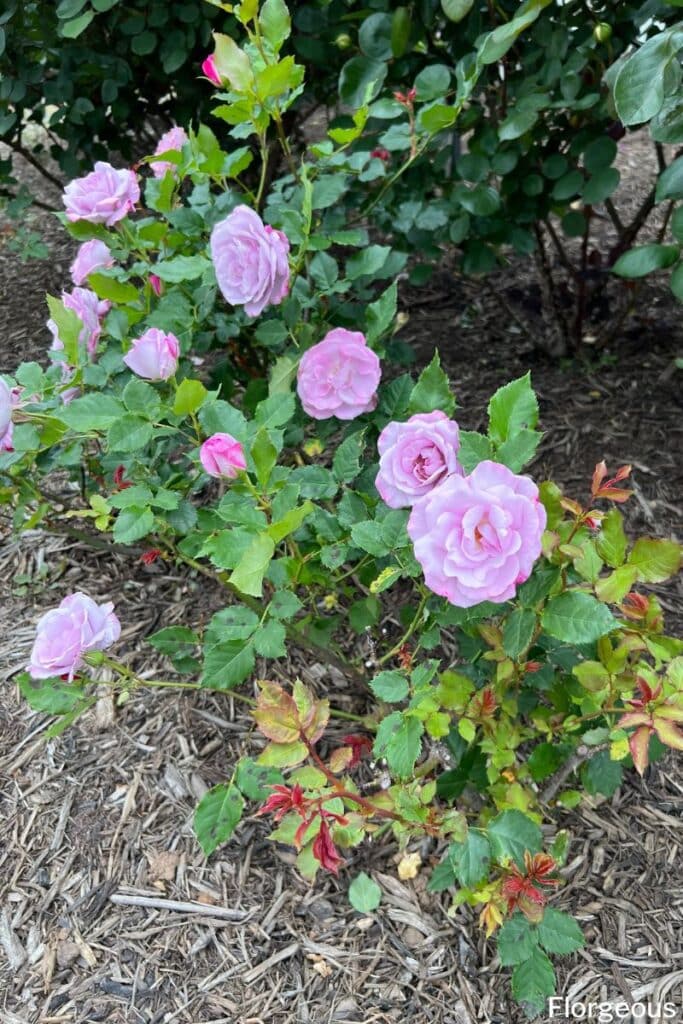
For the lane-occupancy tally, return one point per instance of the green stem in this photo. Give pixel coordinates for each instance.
(408, 633)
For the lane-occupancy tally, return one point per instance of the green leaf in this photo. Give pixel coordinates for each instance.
(284, 605)
(174, 641)
(456, 10)
(374, 36)
(141, 398)
(72, 29)
(254, 780)
(601, 185)
(516, 941)
(518, 632)
(364, 894)
(390, 686)
(52, 696)
(227, 664)
(346, 461)
(655, 560)
(399, 740)
(601, 775)
(368, 537)
(611, 541)
(432, 390)
(471, 860)
(275, 22)
(546, 758)
(109, 288)
(269, 640)
(646, 78)
(133, 524)
(517, 451)
(432, 82)
(248, 574)
(264, 454)
(181, 268)
(189, 397)
(511, 833)
(217, 815)
(645, 259)
(129, 434)
(275, 411)
(361, 80)
(495, 44)
(69, 327)
(232, 63)
(380, 314)
(577, 618)
(290, 522)
(513, 408)
(474, 448)
(367, 262)
(221, 417)
(559, 933)
(533, 981)
(92, 412)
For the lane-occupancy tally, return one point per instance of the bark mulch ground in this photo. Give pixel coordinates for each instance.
(108, 910)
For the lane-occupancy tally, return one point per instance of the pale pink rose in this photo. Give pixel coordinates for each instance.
(416, 456)
(104, 196)
(17, 399)
(222, 455)
(154, 355)
(91, 256)
(339, 376)
(157, 284)
(171, 141)
(477, 537)
(250, 259)
(211, 71)
(90, 310)
(69, 394)
(65, 634)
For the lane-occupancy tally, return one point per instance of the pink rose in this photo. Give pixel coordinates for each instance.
(90, 310)
(222, 455)
(171, 141)
(91, 256)
(250, 259)
(6, 404)
(211, 71)
(339, 376)
(154, 355)
(104, 196)
(65, 634)
(157, 284)
(415, 456)
(477, 537)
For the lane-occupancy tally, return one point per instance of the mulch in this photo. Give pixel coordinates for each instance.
(99, 862)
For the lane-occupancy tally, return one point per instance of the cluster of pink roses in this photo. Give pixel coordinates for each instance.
(476, 537)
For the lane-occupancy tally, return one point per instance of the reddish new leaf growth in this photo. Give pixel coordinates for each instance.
(360, 745)
(635, 606)
(601, 488)
(282, 800)
(648, 717)
(524, 890)
(324, 850)
(405, 657)
(120, 483)
(483, 704)
(406, 99)
(150, 556)
(381, 154)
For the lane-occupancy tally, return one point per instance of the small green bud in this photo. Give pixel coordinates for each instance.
(602, 32)
(343, 41)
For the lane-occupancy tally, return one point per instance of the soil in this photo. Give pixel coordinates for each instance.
(94, 820)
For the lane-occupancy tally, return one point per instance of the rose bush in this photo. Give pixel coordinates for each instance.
(523, 661)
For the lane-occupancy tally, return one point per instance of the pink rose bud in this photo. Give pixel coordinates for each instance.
(415, 457)
(90, 310)
(104, 196)
(154, 355)
(339, 376)
(477, 537)
(222, 455)
(65, 634)
(91, 256)
(157, 284)
(172, 141)
(250, 259)
(211, 71)
(8, 401)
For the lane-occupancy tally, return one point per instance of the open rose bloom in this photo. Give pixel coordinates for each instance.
(171, 141)
(477, 537)
(105, 196)
(154, 355)
(65, 634)
(416, 456)
(339, 376)
(222, 455)
(251, 261)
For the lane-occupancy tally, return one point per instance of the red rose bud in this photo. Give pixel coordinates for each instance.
(119, 474)
(381, 154)
(532, 666)
(156, 284)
